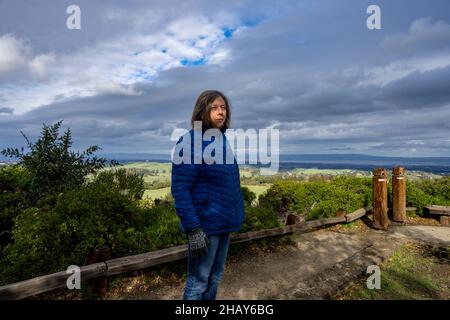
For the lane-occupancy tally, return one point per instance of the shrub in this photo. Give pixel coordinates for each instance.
(128, 183)
(248, 196)
(279, 195)
(416, 197)
(438, 188)
(257, 218)
(52, 166)
(348, 193)
(62, 231)
(14, 198)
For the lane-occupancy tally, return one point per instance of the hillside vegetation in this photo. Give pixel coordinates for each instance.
(56, 205)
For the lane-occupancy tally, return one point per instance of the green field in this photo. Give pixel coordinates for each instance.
(259, 189)
(311, 171)
(164, 170)
(155, 171)
(156, 194)
(161, 193)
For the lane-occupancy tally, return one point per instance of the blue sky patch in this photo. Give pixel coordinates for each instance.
(228, 32)
(187, 62)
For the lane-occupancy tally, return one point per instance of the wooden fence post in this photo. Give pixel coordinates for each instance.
(398, 194)
(98, 254)
(379, 191)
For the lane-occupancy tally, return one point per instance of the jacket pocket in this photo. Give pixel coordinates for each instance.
(204, 209)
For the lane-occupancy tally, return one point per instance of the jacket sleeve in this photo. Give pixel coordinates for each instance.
(183, 179)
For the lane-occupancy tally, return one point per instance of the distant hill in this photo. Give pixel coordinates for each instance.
(362, 158)
(440, 165)
(295, 157)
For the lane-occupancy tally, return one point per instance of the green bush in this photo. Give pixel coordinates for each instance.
(328, 199)
(417, 196)
(257, 218)
(14, 198)
(52, 166)
(438, 188)
(356, 185)
(348, 193)
(248, 196)
(62, 232)
(279, 195)
(128, 183)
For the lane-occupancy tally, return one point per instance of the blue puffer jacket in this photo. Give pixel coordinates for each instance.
(207, 196)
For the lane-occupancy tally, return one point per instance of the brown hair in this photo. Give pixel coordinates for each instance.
(203, 106)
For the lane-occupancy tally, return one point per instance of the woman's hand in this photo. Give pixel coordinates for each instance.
(198, 242)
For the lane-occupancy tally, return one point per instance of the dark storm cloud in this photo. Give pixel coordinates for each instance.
(6, 110)
(420, 90)
(313, 70)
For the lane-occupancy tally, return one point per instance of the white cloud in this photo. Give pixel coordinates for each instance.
(219, 57)
(424, 47)
(13, 54)
(39, 65)
(18, 61)
(415, 142)
(384, 75)
(109, 66)
(423, 34)
(192, 27)
(312, 130)
(118, 88)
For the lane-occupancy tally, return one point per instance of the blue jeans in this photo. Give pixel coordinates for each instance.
(205, 272)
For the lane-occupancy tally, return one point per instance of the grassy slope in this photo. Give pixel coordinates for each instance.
(413, 272)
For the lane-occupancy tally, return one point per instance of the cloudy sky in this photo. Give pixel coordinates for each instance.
(311, 69)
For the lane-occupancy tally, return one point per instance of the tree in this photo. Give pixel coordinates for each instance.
(54, 168)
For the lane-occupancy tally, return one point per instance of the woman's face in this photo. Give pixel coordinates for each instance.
(218, 113)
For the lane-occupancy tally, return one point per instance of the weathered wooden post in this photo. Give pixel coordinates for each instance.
(98, 254)
(379, 192)
(292, 219)
(398, 194)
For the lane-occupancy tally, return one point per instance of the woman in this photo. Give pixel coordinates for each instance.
(208, 199)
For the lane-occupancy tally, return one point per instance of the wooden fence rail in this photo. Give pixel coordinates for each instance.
(31, 287)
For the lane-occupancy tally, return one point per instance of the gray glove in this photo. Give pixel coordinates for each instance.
(198, 241)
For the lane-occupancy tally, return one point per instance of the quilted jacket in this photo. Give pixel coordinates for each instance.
(207, 196)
